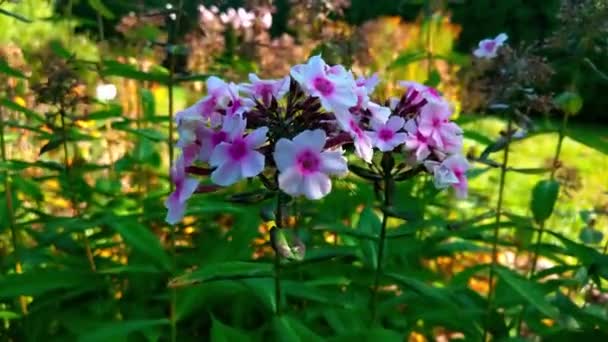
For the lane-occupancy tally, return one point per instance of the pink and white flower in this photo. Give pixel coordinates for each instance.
(423, 92)
(232, 128)
(488, 48)
(184, 188)
(387, 136)
(434, 123)
(218, 97)
(332, 85)
(363, 143)
(450, 172)
(237, 105)
(237, 158)
(304, 167)
(416, 141)
(265, 90)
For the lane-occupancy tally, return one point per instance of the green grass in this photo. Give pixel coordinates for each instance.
(583, 152)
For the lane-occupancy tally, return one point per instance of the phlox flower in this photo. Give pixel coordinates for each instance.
(488, 48)
(236, 104)
(184, 188)
(237, 158)
(434, 123)
(332, 85)
(362, 141)
(423, 92)
(387, 136)
(451, 171)
(265, 90)
(416, 141)
(232, 128)
(218, 97)
(304, 167)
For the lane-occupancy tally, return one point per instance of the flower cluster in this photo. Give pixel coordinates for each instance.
(297, 128)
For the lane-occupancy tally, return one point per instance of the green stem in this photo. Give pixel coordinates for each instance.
(541, 226)
(499, 203)
(388, 183)
(172, 64)
(277, 255)
(10, 210)
(74, 202)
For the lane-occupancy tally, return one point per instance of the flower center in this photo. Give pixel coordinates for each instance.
(308, 162)
(323, 85)
(386, 134)
(489, 46)
(218, 137)
(354, 126)
(238, 149)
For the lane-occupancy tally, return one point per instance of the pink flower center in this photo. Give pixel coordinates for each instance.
(421, 138)
(264, 91)
(433, 92)
(386, 134)
(238, 150)
(308, 162)
(489, 46)
(218, 137)
(208, 107)
(323, 85)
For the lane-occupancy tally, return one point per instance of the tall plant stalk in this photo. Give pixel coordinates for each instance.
(172, 64)
(68, 174)
(389, 188)
(499, 203)
(10, 210)
(277, 255)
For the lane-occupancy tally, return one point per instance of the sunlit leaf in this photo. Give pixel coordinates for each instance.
(230, 270)
(529, 291)
(544, 196)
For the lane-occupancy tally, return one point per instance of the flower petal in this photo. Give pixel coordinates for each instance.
(316, 186)
(333, 162)
(284, 154)
(252, 165)
(226, 174)
(312, 139)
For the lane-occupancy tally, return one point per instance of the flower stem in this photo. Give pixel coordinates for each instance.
(501, 189)
(10, 210)
(388, 183)
(277, 255)
(172, 64)
(74, 202)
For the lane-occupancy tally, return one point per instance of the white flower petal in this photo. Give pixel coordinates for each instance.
(284, 154)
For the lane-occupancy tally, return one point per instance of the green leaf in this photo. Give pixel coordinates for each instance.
(38, 282)
(434, 79)
(4, 102)
(289, 329)
(114, 330)
(223, 333)
(6, 69)
(407, 58)
(51, 145)
(148, 103)
(114, 68)
(287, 244)
(569, 102)
(104, 11)
(60, 50)
(544, 196)
(369, 224)
(531, 292)
(373, 334)
(230, 270)
(591, 236)
(140, 238)
(14, 15)
(8, 315)
(112, 111)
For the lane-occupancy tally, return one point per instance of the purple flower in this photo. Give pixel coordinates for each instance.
(304, 167)
(232, 128)
(387, 136)
(434, 124)
(451, 171)
(265, 90)
(237, 158)
(488, 48)
(332, 85)
(416, 141)
(184, 188)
